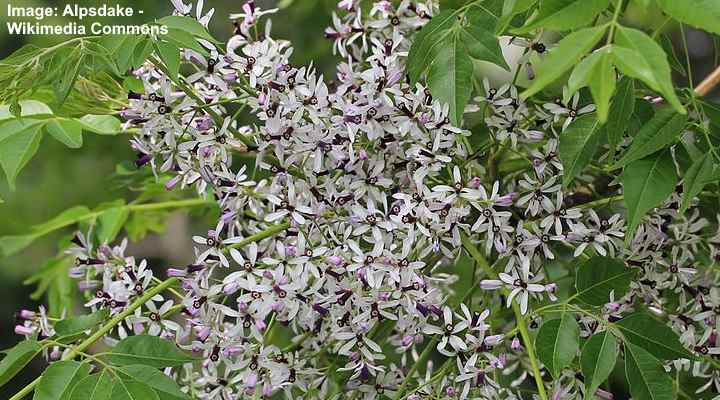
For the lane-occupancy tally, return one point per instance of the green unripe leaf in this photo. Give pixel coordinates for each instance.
(17, 358)
(149, 350)
(646, 184)
(564, 56)
(558, 342)
(646, 376)
(642, 330)
(598, 277)
(598, 360)
(59, 379)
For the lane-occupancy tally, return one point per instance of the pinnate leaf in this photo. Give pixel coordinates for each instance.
(132, 390)
(557, 343)
(66, 131)
(58, 380)
(17, 358)
(565, 14)
(642, 330)
(430, 36)
(662, 130)
(639, 56)
(149, 350)
(646, 376)
(94, 387)
(646, 184)
(599, 276)
(695, 179)
(578, 144)
(165, 387)
(189, 25)
(76, 325)
(450, 75)
(703, 14)
(566, 54)
(19, 141)
(621, 109)
(10, 245)
(597, 360)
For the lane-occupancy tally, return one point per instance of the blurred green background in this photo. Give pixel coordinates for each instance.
(58, 178)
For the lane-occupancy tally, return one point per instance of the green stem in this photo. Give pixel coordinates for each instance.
(168, 204)
(102, 331)
(430, 346)
(521, 326)
(614, 23)
(601, 202)
(188, 90)
(527, 341)
(423, 356)
(271, 231)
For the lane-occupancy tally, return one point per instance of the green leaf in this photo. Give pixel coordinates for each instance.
(94, 387)
(582, 73)
(599, 276)
(111, 222)
(185, 40)
(450, 77)
(695, 179)
(132, 390)
(19, 141)
(430, 36)
(557, 343)
(29, 108)
(166, 387)
(480, 39)
(149, 350)
(170, 55)
(578, 144)
(61, 291)
(563, 15)
(646, 376)
(646, 184)
(621, 109)
(703, 14)
(598, 360)
(142, 52)
(64, 83)
(73, 326)
(510, 9)
(66, 131)
(564, 56)
(17, 358)
(662, 130)
(445, 47)
(639, 56)
(602, 85)
(189, 25)
(101, 124)
(123, 47)
(140, 223)
(59, 379)
(642, 330)
(10, 245)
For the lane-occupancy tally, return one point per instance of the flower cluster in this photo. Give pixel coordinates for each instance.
(361, 195)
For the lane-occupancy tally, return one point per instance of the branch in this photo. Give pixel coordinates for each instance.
(527, 340)
(709, 83)
(102, 331)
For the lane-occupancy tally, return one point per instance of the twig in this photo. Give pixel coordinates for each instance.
(709, 83)
(101, 332)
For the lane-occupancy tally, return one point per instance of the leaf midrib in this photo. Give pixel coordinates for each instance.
(645, 185)
(612, 278)
(640, 371)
